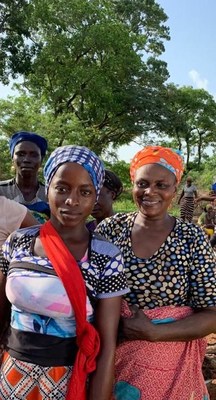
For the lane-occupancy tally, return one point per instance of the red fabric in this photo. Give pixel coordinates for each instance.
(160, 370)
(87, 337)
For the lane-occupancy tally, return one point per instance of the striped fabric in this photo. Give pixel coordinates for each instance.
(187, 209)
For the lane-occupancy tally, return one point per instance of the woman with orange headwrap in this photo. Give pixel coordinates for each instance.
(171, 305)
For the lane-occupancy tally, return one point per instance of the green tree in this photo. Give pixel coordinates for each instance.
(190, 120)
(29, 113)
(95, 62)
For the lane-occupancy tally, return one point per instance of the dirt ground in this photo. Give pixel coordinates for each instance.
(209, 366)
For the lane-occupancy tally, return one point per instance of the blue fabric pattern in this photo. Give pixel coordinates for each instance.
(80, 155)
(125, 391)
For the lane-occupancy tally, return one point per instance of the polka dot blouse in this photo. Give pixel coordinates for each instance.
(181, 272)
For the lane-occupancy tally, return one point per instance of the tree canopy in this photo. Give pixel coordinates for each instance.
(91, 62)
(191, 120)
(92, 75)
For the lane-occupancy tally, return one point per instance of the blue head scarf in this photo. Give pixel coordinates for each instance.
(77, 154)
(23, 136)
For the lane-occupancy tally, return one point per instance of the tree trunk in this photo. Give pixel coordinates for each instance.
(199, 148)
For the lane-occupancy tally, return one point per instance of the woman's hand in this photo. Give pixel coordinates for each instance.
(139, 326)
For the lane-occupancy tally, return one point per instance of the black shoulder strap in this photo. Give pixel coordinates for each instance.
(32, 267)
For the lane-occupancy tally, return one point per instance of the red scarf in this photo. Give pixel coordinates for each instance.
(88, 340)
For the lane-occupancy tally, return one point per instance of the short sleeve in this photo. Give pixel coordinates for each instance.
(112, 281)
(5, 255)
(103, 228)
(12, 215)
(203, 272)
(111, 228)
(7, 251)
(4, 264)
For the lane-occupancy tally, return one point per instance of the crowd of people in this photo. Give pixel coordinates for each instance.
(98, 305)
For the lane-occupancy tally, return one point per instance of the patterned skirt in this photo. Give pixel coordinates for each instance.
(187, 209)
(22, 380)
(160, 370)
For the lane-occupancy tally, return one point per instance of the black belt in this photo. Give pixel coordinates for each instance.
(45, 350)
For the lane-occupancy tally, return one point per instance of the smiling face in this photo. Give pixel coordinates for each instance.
(71, 195)
(154, 189)
(27, 158)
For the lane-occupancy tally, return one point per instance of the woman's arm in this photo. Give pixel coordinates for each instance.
(107, 319)
(29, 220)
(198, 325)
(206, 198)
(180, 197)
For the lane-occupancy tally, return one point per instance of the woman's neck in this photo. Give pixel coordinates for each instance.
(75, 238)
(158, 223)
(76, 234)
(149, 234)
(111, 212)
(30, 181)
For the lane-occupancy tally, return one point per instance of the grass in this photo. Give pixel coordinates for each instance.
(125, 202)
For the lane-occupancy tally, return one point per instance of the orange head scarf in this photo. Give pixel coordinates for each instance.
(163, 156)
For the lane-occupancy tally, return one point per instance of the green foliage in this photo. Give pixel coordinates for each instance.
(92, 75)
(121, 169)
(93, 65)
(5, 160)
(125, 202)
(204, 178)
(190, 121)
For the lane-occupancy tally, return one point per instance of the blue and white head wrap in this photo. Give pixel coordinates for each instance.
(80, 155)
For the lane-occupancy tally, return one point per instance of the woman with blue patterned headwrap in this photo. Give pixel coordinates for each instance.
(80, 155)
(61, 279)
(27, 150)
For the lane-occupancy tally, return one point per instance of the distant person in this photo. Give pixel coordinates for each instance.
(213, 188)
(212, 198)
(111, 190)
(187, 200)
(27, 150)
(207, 220)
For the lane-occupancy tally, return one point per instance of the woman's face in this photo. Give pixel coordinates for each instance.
(103, 207)
(154, 189)
(27, 158)
(189, 182)
(71, 195)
